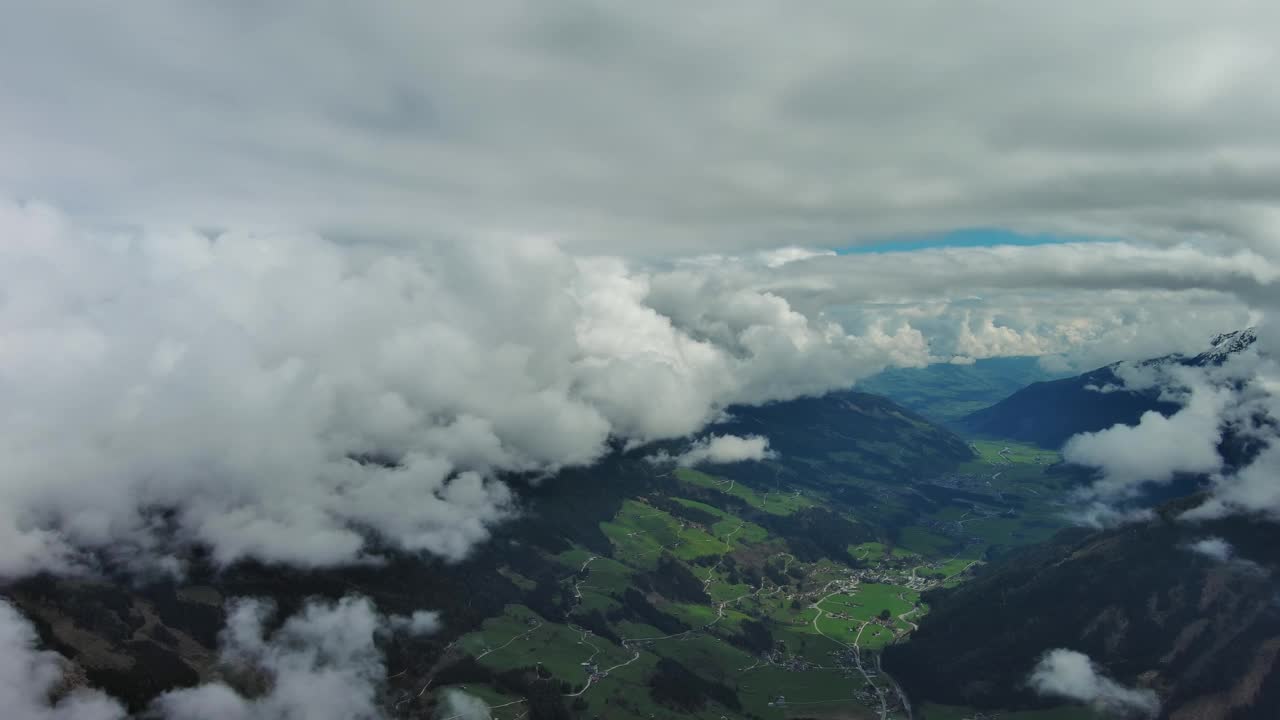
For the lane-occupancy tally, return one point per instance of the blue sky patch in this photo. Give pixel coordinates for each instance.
(966, 238)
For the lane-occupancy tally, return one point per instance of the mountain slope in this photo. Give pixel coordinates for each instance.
(1205, 634)
(1049, 413)
(893, 443)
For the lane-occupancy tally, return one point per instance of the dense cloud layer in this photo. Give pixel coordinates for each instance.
(1083, 305)
(1068, 674)
(162, 389)
(168, 388)
(656, 127)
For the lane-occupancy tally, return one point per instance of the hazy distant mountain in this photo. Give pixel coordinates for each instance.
(1048, 413)
(945, 392)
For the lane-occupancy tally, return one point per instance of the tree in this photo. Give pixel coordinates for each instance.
(885, 614)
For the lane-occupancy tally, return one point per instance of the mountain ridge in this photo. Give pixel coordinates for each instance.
(1049, 413)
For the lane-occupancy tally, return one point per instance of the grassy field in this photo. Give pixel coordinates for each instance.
(777, 503)
(923, 542)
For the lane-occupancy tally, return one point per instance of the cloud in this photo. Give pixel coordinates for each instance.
(660, 126)
(30, 677)
(459, 705)
(1252, 490)
(421, 622)
(321, 663)
(1072, 675)
(1233, 401)
(720, 450)
(1155, 449)
(170, 388)
(782, 256)
(1214, 548)
(1100, 514)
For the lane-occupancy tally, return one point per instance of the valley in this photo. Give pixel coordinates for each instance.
(709, 585)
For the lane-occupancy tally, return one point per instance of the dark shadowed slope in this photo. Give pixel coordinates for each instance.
(1203, 632)
(1048, 413)
(870, 435)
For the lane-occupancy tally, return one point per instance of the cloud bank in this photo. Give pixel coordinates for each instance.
(1072, 675)
(658, 126)
(289, 398)
(295, 400)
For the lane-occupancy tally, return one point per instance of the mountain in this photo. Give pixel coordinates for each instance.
(1049, 413)
(850, 432)
(1203, 632)
(624, 548)
(946, 392)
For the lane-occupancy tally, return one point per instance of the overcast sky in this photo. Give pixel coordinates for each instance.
(650, 128)
(488, 237)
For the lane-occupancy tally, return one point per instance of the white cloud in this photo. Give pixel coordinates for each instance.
(1214, 548)
(1237, 397)
(459, 705)
(29, 675)
(782, 256)
(230, 379)
(720, 450)
(1155, 449)
(1072, 675)
(1252, 490)
(1099, 514)
(322, 663)
(421, 622)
